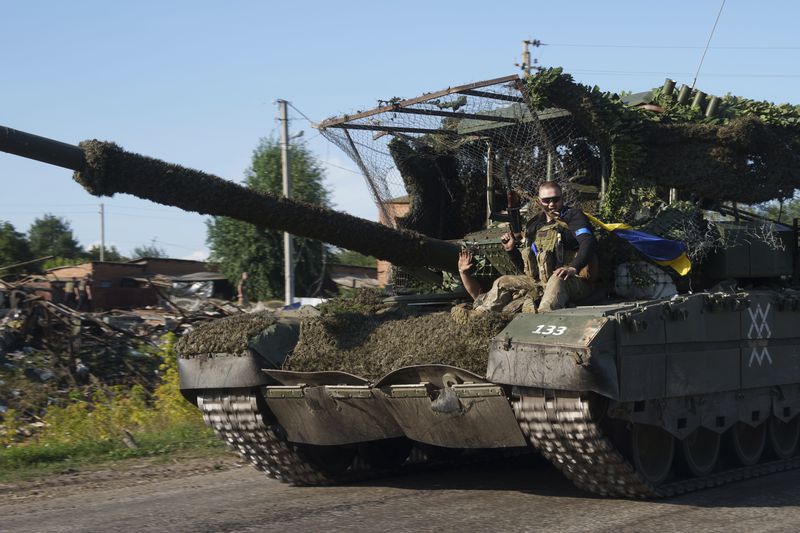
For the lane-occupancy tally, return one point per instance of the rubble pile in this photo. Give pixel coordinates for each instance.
(50, 352)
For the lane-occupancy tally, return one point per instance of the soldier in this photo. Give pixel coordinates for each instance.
(559, 258)
(242, 289)
(69, 293)
(84, 293)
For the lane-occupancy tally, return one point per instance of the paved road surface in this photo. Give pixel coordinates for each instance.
(521, 495)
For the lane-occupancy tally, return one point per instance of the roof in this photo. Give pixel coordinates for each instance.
(199, 276)
(140, 260)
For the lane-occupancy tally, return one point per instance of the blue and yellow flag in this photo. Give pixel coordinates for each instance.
(662, 251)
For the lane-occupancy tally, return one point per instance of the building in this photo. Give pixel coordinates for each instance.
(354, 276)
(127, 285)
(395, 208)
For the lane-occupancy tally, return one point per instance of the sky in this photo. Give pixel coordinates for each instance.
(195, 82)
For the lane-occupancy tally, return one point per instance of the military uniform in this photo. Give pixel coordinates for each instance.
(69, 293)
(566, 241)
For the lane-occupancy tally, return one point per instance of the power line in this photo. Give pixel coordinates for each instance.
(708, 43)
(147, 216)
(668, 47)
(49, 212)
(45, 206)
(340, 167)
(664, 72)
(301, 113)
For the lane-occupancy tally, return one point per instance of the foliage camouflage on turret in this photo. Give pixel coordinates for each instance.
(445, 186)
(747, 152)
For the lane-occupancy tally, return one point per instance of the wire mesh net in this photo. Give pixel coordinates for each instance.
(442, 163)
(439, 149)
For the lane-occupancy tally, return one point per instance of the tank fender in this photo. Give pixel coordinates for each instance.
(220, 371)
(268, 349)
(556, 351)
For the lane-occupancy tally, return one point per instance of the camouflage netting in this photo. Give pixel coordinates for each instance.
(371, 345)
(439, 151)
(230, 335)
(745, 152)
(111, 170)
(618, 158)
(448, 207)
(683, 221)
(744, 160)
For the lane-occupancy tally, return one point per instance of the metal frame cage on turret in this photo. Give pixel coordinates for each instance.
(487, 123)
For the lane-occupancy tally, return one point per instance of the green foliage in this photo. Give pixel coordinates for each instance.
(605, 118)
(111, 254)
(241, 247)
(93, 426)
(52, 235)
(680, 146)
(730, 107)
(781, 211)
(349, 257)
(169, 401)
(63, 261)
(148, 250)
(41, 457)
(13, 248)
(11, 424)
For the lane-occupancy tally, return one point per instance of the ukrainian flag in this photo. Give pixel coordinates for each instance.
(665, 252)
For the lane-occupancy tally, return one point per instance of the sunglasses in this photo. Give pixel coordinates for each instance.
(551, 200)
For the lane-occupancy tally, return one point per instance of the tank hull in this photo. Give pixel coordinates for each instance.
(655, 398)
(709, 381)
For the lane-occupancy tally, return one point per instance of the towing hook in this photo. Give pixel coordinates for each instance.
(507, 342)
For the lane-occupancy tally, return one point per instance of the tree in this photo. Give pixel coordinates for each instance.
(110, 254)
(785, 211)
(241, 247)
(13, 248)
(52, 235)
(149, 250)
(349, 257)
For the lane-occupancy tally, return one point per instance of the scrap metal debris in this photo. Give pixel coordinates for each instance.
(49, 351)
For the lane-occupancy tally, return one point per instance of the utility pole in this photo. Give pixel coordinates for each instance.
(288, 263)
(526, 64)
(102, 233)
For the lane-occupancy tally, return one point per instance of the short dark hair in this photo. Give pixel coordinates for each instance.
(551, 185)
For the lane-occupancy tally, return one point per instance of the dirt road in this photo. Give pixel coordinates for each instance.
(520, 495)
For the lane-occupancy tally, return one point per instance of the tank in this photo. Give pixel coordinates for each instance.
(640, 394)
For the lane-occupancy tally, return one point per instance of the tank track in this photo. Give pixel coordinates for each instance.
(563, 428)
(238, 418)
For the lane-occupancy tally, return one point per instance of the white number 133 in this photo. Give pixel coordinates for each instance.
(546, 329)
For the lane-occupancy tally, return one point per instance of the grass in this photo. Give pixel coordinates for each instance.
(37, 459)
(89, 429)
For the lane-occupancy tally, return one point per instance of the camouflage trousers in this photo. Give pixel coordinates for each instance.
(559, 292)
(510, 294)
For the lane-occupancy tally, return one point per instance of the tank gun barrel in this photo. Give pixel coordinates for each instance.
(105, 169)
(41, 149)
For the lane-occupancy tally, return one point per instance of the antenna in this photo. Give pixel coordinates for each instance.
(707, 44)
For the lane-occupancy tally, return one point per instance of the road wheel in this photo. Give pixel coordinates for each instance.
(652, 451)
(747, 442)
(783, 436)
(701, 451)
